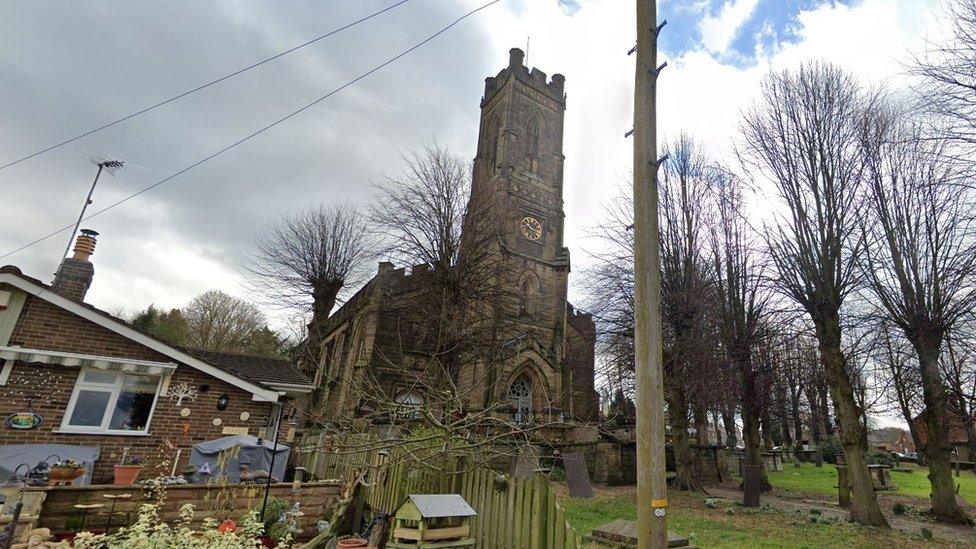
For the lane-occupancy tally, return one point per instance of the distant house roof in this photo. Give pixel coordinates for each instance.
(956, 429)
(271, 371)
(266, 389)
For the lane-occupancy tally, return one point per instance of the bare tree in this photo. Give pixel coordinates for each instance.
(215, 320)
(307, 258)
(802, 136)
(461, 320)
(948, 72)
(742, 308)
(920, 263)
(687, 294)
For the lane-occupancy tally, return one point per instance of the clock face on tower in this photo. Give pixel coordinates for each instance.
(531, 228)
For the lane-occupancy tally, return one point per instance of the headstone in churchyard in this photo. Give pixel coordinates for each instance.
(526, 462)
(577, 475)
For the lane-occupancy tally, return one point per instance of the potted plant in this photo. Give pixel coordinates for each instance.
(127, 471)
(65, 472)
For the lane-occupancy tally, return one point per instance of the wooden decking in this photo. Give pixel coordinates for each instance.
(623, 533)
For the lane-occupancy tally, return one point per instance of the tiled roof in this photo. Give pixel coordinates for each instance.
(254, 368)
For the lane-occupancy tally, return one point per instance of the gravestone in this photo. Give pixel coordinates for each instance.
(577, 475)
(526, 463)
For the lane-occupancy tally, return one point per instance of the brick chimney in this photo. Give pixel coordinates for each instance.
(76, 272)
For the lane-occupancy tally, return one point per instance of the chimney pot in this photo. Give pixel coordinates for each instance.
(75, 274)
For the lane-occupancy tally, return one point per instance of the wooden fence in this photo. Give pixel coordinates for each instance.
(326, 456)
(520, 514)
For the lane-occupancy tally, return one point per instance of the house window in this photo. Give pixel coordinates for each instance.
(106, 401)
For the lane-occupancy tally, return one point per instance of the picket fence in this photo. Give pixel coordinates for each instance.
(513, 513)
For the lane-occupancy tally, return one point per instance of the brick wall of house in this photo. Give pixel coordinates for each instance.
(44, 326)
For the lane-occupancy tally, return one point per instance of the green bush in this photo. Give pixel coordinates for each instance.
(831, 448)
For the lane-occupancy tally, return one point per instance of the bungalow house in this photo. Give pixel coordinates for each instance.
(71, 374)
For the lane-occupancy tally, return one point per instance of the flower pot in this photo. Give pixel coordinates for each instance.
(351, 543)
(267, 541)
(64, 474)
(125, 475)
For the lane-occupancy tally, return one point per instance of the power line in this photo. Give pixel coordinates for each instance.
(202, 86)
(262, 130)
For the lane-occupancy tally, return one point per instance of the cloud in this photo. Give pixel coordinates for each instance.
(68, 67)
(717, 32)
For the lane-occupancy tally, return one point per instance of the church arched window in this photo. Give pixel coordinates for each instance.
(520, 398)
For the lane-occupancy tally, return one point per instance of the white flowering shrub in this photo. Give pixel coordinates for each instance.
(150, 532)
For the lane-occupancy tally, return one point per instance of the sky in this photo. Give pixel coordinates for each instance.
(66, 67)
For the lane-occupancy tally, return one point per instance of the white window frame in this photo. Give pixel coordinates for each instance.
(6, 366)
(113, 390)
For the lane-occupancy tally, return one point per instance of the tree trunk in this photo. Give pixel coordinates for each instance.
(701, 425)
(853, 437)
(750, 433)
(816, 424)
(323, 300)
(938, 450)
(728, 420)
(684, 460)
(718, 429)
(795, 415)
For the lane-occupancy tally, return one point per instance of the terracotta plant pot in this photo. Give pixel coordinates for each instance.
(351, 542)
(65, 474)
(125, 475)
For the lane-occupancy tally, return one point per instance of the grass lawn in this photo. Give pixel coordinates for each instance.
(731, 525)
(823, 480)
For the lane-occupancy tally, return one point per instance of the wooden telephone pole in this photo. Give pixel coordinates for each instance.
(651, 481)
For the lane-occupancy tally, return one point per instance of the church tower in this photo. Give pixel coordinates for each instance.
(519, 165)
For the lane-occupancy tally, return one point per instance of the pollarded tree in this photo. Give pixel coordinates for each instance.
(687, 294)
(307, 258)
(802, 136)
(742, 307)
(948, 72)
(920, 262)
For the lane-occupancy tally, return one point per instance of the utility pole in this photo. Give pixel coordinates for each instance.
(652, 493)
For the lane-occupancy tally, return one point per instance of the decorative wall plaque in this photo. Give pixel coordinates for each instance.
(217, 421)
(245, 416)
(24, 421)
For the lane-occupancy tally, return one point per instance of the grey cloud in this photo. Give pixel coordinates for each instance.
(66, 67)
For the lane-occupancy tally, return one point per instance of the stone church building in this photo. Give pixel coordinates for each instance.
(519, 167)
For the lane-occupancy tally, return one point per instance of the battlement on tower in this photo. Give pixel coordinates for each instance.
(535, 78)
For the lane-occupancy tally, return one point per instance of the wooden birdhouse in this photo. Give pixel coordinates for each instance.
(429, 521)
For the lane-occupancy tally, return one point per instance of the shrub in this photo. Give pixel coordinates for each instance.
(831, 447)
(150, 532)
(926, 533)
(280, 519)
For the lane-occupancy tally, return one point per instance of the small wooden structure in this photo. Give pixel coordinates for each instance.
(429, 521)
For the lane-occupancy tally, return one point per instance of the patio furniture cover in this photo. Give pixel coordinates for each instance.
(240, 449)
